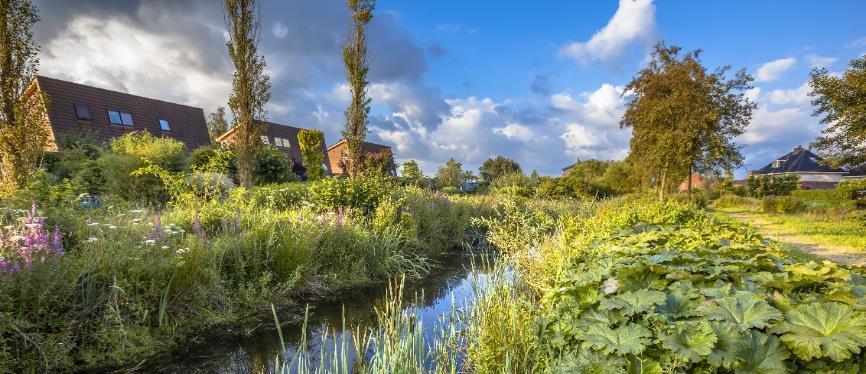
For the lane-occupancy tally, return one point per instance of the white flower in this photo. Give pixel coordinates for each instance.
(137, 211)
(136, 220)
(33, 226)
(165, 247)
(150, 242)
(93, 224)
(182, 250)
(610, 286)
(16, 238)
(92, 240)
(112, 227)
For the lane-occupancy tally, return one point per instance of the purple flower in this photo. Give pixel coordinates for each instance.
(58, 243)
(157, 229)
(199, 233)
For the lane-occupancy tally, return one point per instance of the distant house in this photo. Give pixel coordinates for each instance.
(285, 139)
(699, 182)
(566, 169)
(78, 110)
(340, 152)
(813, 172)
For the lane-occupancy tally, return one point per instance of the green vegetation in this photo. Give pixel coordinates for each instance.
(840, 101)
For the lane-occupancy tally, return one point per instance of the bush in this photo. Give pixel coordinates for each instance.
(277, 196)
(734, 201)
(362, 193)
(782, 204)
(850, 186)
(133, 151)
(213, 158)
(208, 184)
(273, 166)
(451, 190)
(772, 185)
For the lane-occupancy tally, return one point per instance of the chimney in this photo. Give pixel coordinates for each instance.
(798, 149)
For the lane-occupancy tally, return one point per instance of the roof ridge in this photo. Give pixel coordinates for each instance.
(37, 77)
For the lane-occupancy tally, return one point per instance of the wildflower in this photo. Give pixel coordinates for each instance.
(112, 227)
(610, 286)
(136, 220)
(199, 233)
(157, 228)
(164, 247)
(150, 242)
(92, 240)
(137, 211)
(58, 243)
(91, 224)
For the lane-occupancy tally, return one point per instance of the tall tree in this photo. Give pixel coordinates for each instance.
(251, 88)
(23, 122)
(451, 174)
(412, 174)
(312, 142)
(496, 167)
(357, 66)
(217, 124)
(684, 119)
(841, 103)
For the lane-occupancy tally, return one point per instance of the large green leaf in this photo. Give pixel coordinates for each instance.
(641, 365)
(742, 309)
(823, 330)
(759, 353)
(633, 302)
(679, 305)
(691, 340)
(724, 354)
(628, 339)
(588, 362)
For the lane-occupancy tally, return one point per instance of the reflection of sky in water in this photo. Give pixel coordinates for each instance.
(447, 288)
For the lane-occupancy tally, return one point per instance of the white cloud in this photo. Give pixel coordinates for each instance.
(772, 70)
(798, 96)
(859, 42)
(578, 138)
(280, 30)
(519, 132)
(816, 61)
(632, 24)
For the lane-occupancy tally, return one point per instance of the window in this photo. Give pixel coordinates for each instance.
(120, 118)
(163, 124)
(81, 112)
(286, 143)
(265, 139)
(345, 153)
(777, 163)
(278, 141)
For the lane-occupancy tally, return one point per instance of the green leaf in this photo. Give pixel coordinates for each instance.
(743, 309)
(724, 354)
(691, 340)
(633, 302)
(759, 353)
(627, 339)
(823, 330)
(589, 362)
(639, 365)
(679, 305)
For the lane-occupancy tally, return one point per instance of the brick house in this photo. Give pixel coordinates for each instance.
(285, 139)
(699, 182)
(813, 172)
(78, 110)
(340, 151)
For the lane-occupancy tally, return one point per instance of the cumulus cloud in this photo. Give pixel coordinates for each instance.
(798, 96)
(520, 132)
(772, 70)
(280, 30)
(632, 25)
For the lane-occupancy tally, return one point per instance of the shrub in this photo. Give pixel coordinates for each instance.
(167, 153)
(782, 204)
(451, 190)
(133, 151)
(362, 193)
(277, 196)
(208, 184)
(734, 201)
(850, 186)
(213, 158)
(273, 166)
(772, 185)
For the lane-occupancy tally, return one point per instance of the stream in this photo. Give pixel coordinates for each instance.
(450, 285)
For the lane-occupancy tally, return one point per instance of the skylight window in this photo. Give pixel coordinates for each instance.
(163, 124)
(777, 163)
(278, 141)
(120, 118)
(81, 112)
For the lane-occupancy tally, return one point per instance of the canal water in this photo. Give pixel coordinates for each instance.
(450, 286)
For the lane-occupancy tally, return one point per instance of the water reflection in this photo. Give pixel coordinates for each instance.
(450, 286)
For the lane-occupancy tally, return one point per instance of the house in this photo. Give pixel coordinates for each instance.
(699, 182)
(78, 110)
(285, 139)
(339, 152)
(566, 169)
(813, 172)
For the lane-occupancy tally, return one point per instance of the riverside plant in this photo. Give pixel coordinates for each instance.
(28, 242)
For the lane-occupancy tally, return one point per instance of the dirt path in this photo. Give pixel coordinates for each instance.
(835, 253)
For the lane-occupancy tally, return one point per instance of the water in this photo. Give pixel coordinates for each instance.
(447, 287)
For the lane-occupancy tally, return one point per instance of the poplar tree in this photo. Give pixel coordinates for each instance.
(311, 143)
(250, 86)
(684, 119)
(217, 124)
(357, 66)
(840, 101)
(23, 115)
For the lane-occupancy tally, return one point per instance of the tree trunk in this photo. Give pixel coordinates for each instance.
(663, 182)
(691, 170)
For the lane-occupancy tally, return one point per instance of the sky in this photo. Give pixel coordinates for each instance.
(539, 82)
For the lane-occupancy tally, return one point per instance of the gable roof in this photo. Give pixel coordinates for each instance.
(800, 160)
(290, 133)
(186, 123)
(368, 147)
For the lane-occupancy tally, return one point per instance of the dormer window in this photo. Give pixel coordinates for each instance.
(778, 163)
(163, 125)
(81, 112)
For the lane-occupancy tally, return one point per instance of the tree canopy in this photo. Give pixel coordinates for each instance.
(496, 167)
(840, 101)
(684, 118)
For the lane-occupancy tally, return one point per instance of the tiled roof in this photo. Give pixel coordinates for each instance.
(335, 153)
(799, 160)
(290, 133)
(186, 123)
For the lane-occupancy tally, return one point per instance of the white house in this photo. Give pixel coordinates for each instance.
(813, 172)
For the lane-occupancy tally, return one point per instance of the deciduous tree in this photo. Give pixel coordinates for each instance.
(216, 123)
(250, 86)
(496, 167)
(357, 66)
(684, 119)
(311, 143)
(412, 174)
(23, 122)
(840, 101)
(451, 174)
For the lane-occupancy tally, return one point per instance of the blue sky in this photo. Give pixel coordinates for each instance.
(539, 82)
